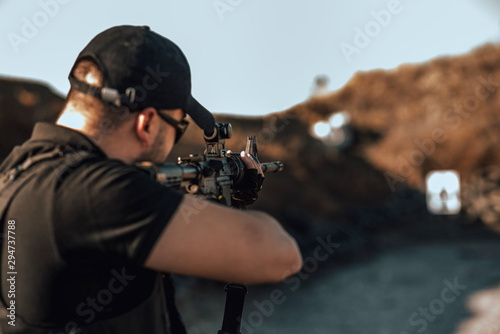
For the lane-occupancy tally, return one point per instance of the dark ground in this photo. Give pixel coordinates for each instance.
(377, 290)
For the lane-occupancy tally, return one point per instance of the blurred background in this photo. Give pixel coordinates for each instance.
(385, 114)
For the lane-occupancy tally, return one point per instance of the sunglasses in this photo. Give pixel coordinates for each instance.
(180, 126)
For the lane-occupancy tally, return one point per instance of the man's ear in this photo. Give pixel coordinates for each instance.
(143, 126)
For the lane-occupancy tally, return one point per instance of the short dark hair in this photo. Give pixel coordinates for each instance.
(100, 114)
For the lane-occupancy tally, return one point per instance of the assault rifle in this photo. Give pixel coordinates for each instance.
(213, 174)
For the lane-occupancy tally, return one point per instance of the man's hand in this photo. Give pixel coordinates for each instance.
(251, 163)
(247, 190)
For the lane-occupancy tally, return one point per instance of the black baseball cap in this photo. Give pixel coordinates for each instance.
(142, 69)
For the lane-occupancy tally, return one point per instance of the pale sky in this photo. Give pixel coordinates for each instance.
(250, 57)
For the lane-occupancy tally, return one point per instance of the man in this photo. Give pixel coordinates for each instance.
(90, 233)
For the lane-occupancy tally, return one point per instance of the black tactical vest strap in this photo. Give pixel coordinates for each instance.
(11, 183)
(161, 300)
(14, 179)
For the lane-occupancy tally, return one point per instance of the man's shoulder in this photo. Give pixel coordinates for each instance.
(97, 170)
(104, 185)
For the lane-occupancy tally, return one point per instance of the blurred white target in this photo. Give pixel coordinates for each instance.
(321, 130)
(443, 192)
(335, 132)
(339, 119)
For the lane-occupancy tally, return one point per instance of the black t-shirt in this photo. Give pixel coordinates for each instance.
(83, 231)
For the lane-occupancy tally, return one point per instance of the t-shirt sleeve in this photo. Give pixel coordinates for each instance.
(118, 216)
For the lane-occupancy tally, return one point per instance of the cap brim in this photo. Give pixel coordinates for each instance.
(202, 117)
